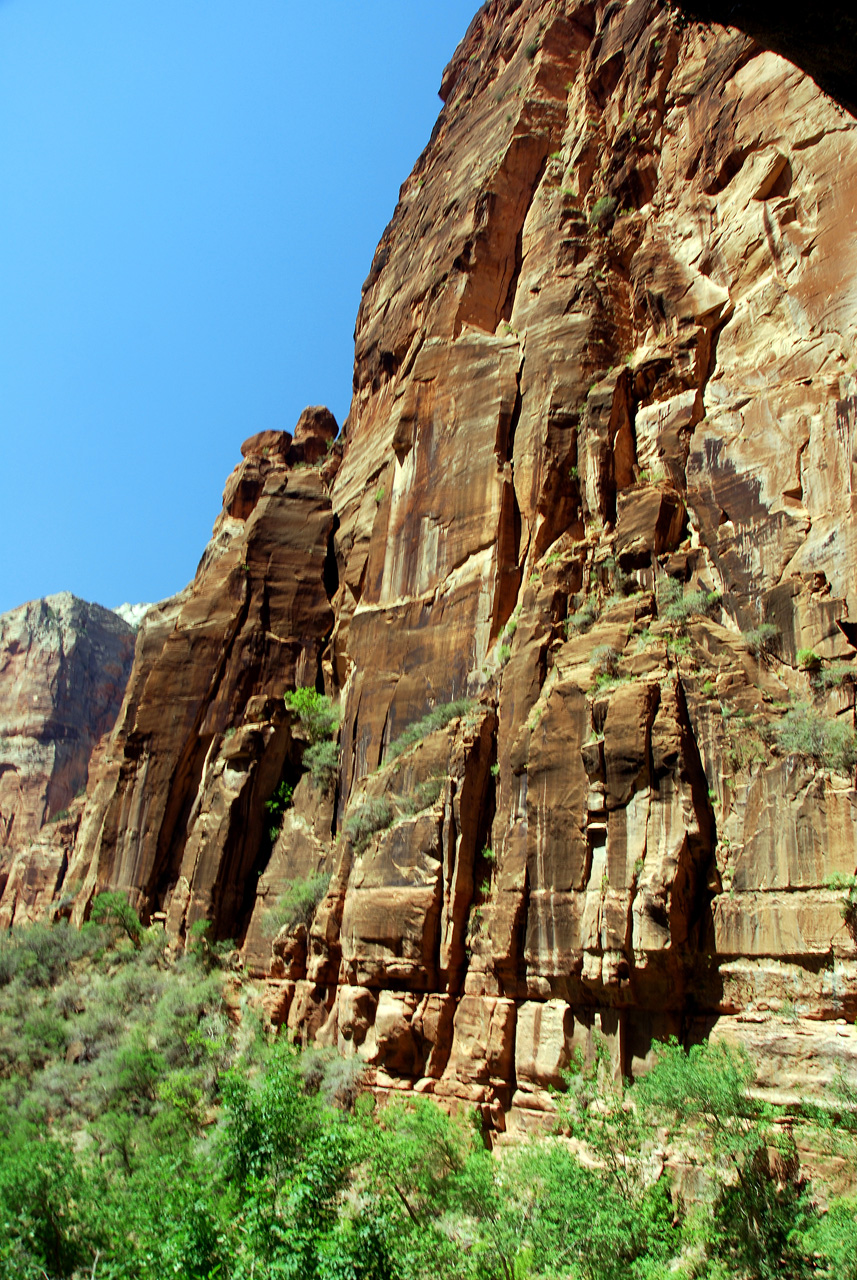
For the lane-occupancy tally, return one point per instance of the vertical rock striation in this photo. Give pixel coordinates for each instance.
(63, 669)
(589, 533)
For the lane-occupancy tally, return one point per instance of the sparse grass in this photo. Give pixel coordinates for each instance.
(808, 660)
(438, 718)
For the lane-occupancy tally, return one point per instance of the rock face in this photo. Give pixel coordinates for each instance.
(63, 669)
(592, 529)
(176, 809)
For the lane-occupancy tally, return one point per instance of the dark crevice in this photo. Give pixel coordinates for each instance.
(330, 571)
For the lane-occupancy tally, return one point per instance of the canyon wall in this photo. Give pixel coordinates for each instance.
(64, 665)
(592, 515)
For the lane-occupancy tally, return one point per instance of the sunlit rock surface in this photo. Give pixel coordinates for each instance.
(607, 341)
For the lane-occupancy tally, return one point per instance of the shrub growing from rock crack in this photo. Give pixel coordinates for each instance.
(761, 639)
(374, 814)
(438, 718)
(315, 711)
(678, 607)
(297, 904)
(322, 760)
(832, 744)
(423, 795)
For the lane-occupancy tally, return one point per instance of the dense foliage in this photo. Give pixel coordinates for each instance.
(146, 1132)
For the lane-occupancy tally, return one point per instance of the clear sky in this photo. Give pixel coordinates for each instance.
(191, 192)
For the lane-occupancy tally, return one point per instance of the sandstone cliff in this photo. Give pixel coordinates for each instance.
(63, 669)
(595, 498)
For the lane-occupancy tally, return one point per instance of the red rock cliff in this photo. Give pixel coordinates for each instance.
(597, 482)
(63, 669)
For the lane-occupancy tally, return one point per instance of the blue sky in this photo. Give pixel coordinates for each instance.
(190, 197)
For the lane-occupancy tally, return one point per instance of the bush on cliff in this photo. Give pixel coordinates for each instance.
(830, 744)
(316, 712)
(374, 814)
(298, 904)
(438, 718)
(320, 719)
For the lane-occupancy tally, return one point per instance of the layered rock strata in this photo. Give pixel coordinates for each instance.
(64, 665)
(596, 492)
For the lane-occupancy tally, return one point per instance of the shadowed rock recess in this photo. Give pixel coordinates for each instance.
(596, 490)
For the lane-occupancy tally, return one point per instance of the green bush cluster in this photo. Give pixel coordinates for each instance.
(423, 796)
(831, 744)
(320, 719)
(269, 1163)
(438, 718)
(275, 806)
(678, 607)
(761, 639)
(583, 616)
(316, 712)
(373, 814)
(297, 904)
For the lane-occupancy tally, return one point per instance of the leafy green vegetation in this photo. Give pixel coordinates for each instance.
(320, 720)
(423, 796)
(143, 1135)
(830, 744)
(583, 615)
(298, 904)
(761, 639)
(316, 712)
(322, 760)
(276, 806)
(373, 814)
(678, 607)
(438, 718)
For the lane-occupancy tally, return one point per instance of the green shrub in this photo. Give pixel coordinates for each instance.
(276, 806)
(848, 906)
(603, 210)
(423, 795)
(436, 719)
(114, 911)
(297, 904)
(504, 653)
(678, 607)
(831, 744)
(833, 675)
(605, 660)
(315, 711)
(808, 660)
(583, 617)
(761, 639)
(374, 814)
(322, 760)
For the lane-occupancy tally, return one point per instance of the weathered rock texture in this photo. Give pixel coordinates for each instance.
(605, 353)
(64, 665)
(176, 810)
